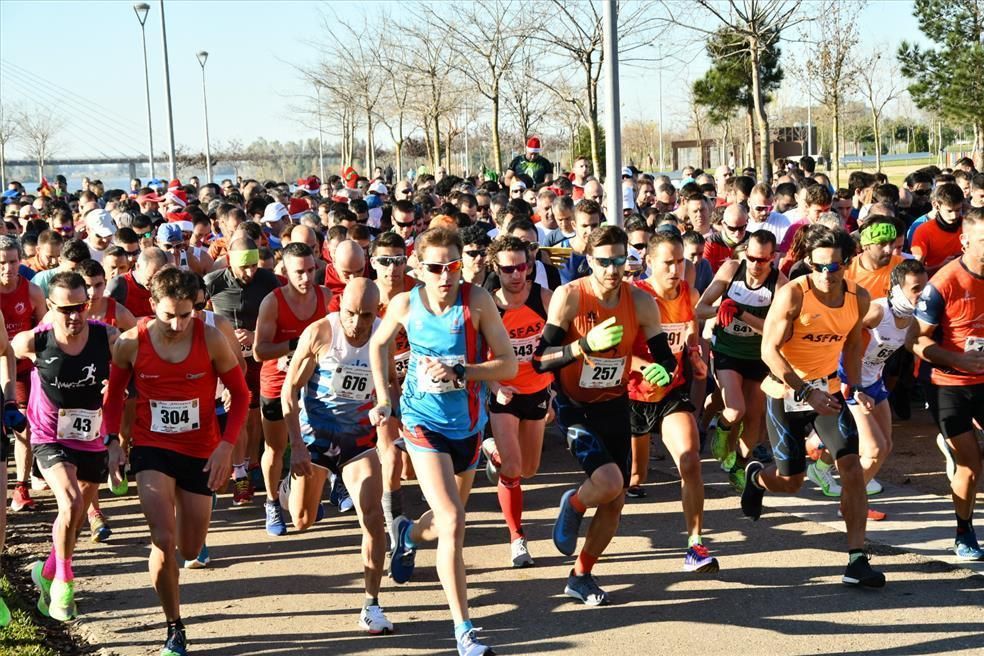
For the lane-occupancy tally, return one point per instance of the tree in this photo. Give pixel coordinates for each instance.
(38, 129)
(8, 129)
(947, 80)
(398, 87)
(879, 87)
(526, 101)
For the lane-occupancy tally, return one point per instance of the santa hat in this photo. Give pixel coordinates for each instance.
(309, 185)
(533, 144)
(177, 196)
(174, 185)
(350, 176)
(183, 219)
(297, 207)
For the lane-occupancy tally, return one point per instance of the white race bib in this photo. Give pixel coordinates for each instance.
(881, 355)
(79, 424)
(523, 348)
(428, 385)
(675, 335)
(352, 383)
(283, 362)
(602, 372)
(739, 328)
(974, 344)
(247, 350)
(402, 361)
(792, 405)
(172, 417)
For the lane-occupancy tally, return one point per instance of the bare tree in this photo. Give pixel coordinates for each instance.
(879, 87)
(398, 88)
(37, 130)
(8, 129)
(526, 100)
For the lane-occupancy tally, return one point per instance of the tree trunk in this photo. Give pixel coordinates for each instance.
(835, 137)
(593, 134)
(496, 145)
(979, 145)
(3, 166)
(436, 127)
(764, 162)
(447, 148)
(877, 130)
(750, 143)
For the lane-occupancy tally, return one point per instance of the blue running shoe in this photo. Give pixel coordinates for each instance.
(402, 557)
(275, 524)
(967, 548)
(585, 588)
(699, 560)
(176, 644)
(568, 524)
(469, 644)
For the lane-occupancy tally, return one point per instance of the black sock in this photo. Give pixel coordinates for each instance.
(964, 525)
(176, 625)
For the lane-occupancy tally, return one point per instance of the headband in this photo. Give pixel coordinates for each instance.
(244, 258)
(878, 233)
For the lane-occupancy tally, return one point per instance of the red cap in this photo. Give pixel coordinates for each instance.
(350, 176)
(298, 206)
(533, 144)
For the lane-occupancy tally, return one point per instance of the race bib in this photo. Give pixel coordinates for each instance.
(172, 417)
(974, 344)
(792, 405)
(247, 351)
(523, 348)
(352, 383)
(428, 385)
(602, 372)
(283, 362)
(882, 354)
(739, 328)
(79, 424)
(402, 361)
(675, 335)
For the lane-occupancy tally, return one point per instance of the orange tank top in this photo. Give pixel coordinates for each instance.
(676, 317)
(524, 325)
(599, 376)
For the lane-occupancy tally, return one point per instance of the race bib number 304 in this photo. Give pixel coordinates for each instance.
(79, 424)
(602, 372)
(172, 417)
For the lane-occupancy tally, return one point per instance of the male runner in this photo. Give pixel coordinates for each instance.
(811, 323)
(326, 396)
(592, 325)
(283, 315)
(449, 325)
(949, 333)
(518, 407)
(71, 356)
(178, 456)
(667, 409)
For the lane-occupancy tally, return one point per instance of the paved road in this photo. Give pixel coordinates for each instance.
(778, 592)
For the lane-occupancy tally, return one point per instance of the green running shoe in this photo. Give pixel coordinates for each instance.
(44, 587)
(736, 477)
(719, 442)
(62, 606)
(4, 613)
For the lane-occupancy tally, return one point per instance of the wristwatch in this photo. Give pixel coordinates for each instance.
(459, 374)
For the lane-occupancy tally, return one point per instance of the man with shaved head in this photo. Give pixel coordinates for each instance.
(284, 314)
(132, 290)
(732, 231)
(306, 235)
(348, 263)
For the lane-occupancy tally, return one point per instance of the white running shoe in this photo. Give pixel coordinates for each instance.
(873, 487)
(373, 621)
(824, 478)
(520, 553)
(951, 465)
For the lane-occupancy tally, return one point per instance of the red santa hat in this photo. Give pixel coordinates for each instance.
(177, 196)
(183, 219)
(309, 185)
(533, 145)
(174, 185)
(350, 176)
(298, 206)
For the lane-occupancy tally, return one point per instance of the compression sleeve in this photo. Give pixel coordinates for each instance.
(659, 350)
(552, 336)
(119, 378)
(235, 382)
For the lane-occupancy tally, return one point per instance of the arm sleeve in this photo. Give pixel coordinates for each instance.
(930, 306)
(116, 290)
(119, 378)
(659, 350)
(552, 336)
(235, 382)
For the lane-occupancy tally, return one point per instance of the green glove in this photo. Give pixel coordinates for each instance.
(604, 336)
(656, 374)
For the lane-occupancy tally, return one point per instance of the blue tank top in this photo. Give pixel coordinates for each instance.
(338, 396)
(439, 406)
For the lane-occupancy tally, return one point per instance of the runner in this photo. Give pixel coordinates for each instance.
(178, 456)
(327, 395)
(443, 408)
(592, 325)
(518, 406)
(283, 315)
(71, 356)
(812, 322)
(11, 415)
(949, 333)
(667, 409)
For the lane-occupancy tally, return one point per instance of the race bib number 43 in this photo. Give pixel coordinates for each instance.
(78, 424)
(172, 417)
(602, 372)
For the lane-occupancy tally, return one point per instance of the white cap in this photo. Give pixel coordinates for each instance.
(274, 212)
(517, 184)
(100, 223)
(379, 188)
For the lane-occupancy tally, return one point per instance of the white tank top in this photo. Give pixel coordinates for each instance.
(886, 339)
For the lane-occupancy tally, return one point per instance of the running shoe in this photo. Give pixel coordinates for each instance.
(99, 527)
(586, 589)
(374, 622)
(62, 605)
(568, 524)
(21, 499)
(730, 461)
(824, 478)
(275, 524)
(861, 574)
(346, 504)
(124, 485)
(873, 515)
(636, 492)
(698, 559)
(736, 477)
(944, 447)
(44, 587)
(4, 613)
(200, 561)
(242, 494)
(402, 557)
(491, 460)
(967, 548)
(38, 484)
(521, 553)
(176, 644)
(751, 497)
(719, 440)
(469, 644)
(873, 487)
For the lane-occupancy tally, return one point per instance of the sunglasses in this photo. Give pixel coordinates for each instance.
(478, 253)
(61, 228)
(758, 260)
(512, 268)
(132, 254)
(532, 246)
(830, 267)
(171, 247)
(438, 268)
(606, 262)
(391, 260)
(200, 306)
(641, 246)
(732, 228)
(78, 308)
(404, 225)
(762, 208)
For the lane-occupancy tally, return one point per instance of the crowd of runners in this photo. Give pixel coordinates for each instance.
(263, 342)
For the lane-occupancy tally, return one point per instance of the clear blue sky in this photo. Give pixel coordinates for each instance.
(85, 61)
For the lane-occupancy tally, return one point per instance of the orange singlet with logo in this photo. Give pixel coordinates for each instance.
(524, 325)
(675, 316)
(599, 376)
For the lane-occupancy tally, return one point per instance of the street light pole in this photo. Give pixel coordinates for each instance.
(202, 58)
(321, 152)
(141, 10)
(613, 127)
(659, 56)
(172, 165)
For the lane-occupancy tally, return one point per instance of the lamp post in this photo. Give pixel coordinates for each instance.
(613, 125)
(172, 165)
(141, 11)
(202, 58)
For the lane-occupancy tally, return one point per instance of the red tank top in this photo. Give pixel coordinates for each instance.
(137, 297)
(289, 326)
(401, 343)
(175, 400)
(600, 376)
(675, 317)
(18, 315)
(524, 325)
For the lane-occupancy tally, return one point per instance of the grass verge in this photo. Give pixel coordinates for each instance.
(23, 636)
